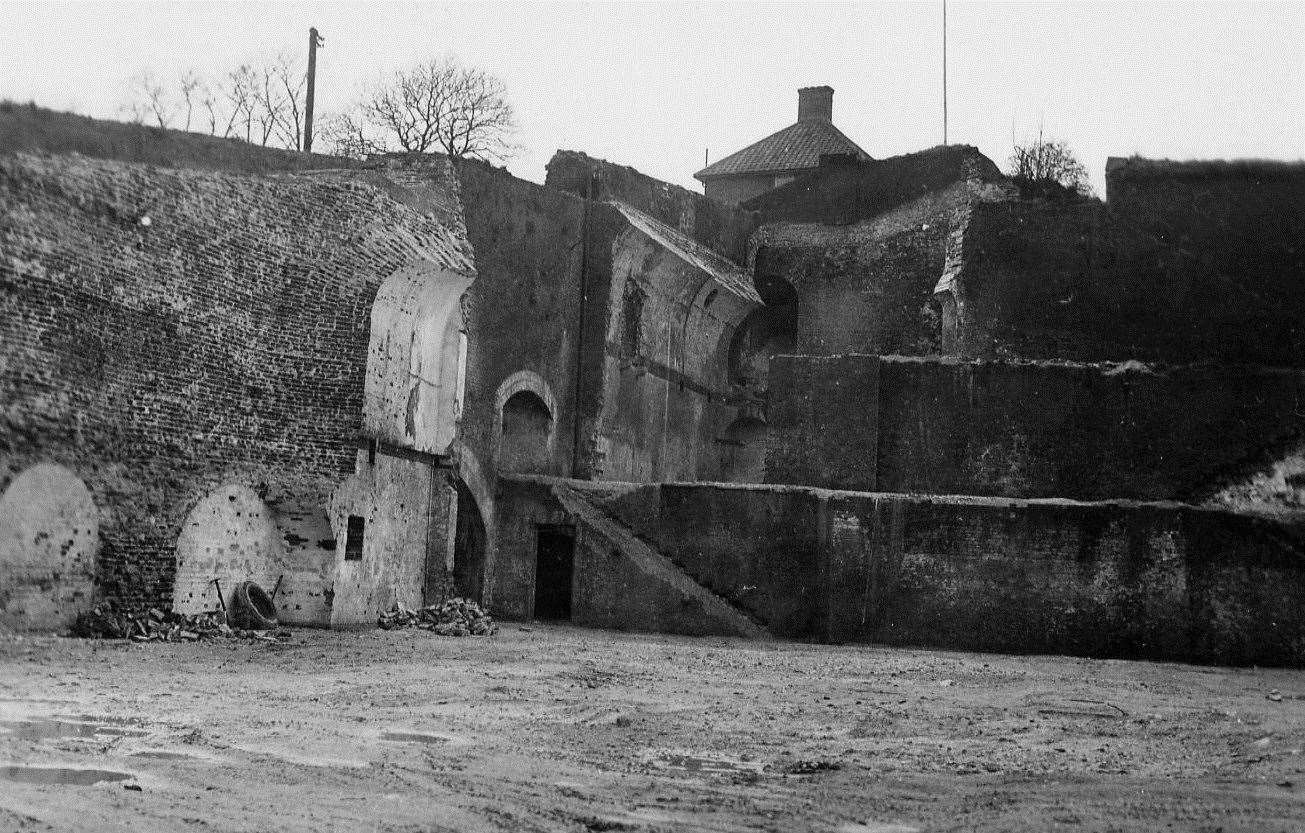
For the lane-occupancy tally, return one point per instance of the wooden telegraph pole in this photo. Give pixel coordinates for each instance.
(314, 40)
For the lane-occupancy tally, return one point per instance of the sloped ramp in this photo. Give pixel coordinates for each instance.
(718, 615)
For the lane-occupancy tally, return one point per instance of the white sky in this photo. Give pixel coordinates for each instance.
(654, 84)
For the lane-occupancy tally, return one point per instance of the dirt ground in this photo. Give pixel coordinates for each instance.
(548, 727)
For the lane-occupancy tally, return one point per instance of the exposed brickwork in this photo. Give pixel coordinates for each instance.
(167, 332)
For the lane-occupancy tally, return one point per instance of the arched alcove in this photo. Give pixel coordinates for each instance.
(525, 434)
(414, 360)
(233, 535)
(49, 534)
(769, 330)
(743, 455)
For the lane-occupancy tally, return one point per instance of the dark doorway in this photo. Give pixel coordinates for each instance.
(554, 560)
(469, 546)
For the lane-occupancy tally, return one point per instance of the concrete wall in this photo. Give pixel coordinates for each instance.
(1046, 429)
(735, 190)
(1139, 580)
(165, 335)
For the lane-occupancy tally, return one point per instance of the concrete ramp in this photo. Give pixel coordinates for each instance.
(647, 581)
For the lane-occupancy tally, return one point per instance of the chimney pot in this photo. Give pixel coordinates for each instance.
(816, 103)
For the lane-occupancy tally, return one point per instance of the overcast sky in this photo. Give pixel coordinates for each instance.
(654, 85)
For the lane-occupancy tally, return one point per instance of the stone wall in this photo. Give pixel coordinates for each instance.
(712, 223)
(165, 335)
(1115, 579)
(1033, 429)
(1187, 262)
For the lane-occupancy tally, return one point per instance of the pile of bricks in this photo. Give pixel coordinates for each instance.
(106, 621)
(451, 617)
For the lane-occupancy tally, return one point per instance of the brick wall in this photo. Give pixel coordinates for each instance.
(165, 333)
(1044, 429)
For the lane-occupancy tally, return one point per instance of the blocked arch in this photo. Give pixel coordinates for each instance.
(49, 538)
(525, 412)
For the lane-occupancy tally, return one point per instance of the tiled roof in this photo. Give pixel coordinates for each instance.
(797, 147)
(722, 269)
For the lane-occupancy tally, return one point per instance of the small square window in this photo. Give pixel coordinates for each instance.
(353, 544)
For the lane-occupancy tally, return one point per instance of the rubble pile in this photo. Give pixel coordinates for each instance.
(451, 617)
(106, 621)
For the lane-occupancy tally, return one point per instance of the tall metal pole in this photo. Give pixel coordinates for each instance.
(314, 40)
(944, 72)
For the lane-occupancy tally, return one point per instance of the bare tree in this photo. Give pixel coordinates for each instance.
(1048, 167)
(241, 93)
(291, 83)
(440, 105)
(344, 134)
(148, 100)
(192, 87)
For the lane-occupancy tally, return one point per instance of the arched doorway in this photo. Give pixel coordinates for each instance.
(769, 330)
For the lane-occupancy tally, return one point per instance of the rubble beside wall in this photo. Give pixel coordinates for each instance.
(1027, 429)
(166, 334)
(1158, 581)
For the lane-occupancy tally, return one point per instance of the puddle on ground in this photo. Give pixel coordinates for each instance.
(162, 755)
(415, 737)
(42, 728)
(689, 762)
(59, 775)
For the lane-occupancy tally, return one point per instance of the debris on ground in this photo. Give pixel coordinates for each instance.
(805, 767)
(107, 621)
(451, 617)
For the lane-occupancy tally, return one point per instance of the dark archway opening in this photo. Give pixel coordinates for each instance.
(770, 330)
(527, 425)
(554, 568)
(469, 541)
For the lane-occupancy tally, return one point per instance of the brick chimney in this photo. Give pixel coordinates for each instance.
(816, 103)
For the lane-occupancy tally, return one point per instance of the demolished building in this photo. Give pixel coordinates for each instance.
(891, 401)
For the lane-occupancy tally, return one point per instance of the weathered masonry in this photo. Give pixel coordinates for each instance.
(892, 400)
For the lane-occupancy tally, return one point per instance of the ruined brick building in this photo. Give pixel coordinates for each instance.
(890, 400)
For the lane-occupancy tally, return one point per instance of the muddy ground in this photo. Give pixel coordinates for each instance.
(557, 728)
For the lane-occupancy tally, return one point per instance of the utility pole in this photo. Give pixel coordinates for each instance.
(314, 40)
(944, 72)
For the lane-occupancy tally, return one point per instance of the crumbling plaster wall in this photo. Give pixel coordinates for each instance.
(166, 334)
(665, 393)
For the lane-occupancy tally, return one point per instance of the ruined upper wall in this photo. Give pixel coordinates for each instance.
(1027, 429)
(27, 128)
(719, 226)
(1186, 262)
(847, 190)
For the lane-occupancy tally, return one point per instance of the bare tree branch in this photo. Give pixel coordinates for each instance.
(440, 105)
